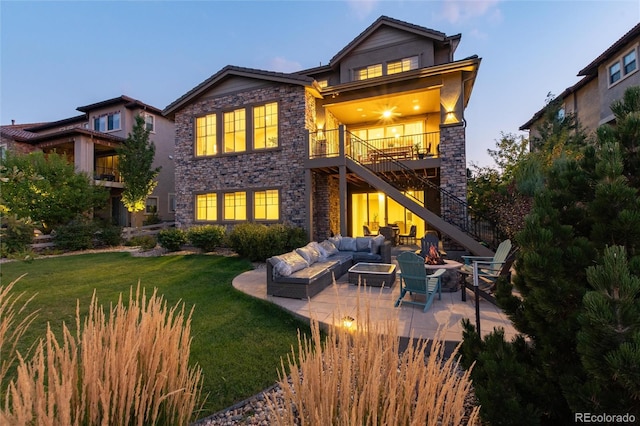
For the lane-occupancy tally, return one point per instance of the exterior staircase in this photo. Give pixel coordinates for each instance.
(475, 234)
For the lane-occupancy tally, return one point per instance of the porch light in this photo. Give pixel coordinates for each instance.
(347, 321)
(386, 113)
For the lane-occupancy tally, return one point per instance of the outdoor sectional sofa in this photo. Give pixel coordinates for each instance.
(305, 271)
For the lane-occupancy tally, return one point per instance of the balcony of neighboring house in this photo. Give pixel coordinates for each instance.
(106, 171)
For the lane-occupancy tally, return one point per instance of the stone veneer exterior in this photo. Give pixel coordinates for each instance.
(453, 172)
(281, 168)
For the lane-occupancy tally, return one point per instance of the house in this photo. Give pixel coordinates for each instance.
(375, 137)
(89, 141)
(603, 81)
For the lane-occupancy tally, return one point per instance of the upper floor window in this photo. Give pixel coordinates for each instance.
(323, 83)
(235, 206)
(149, 123)
(623, 66)
(266, 205)
(207, 207)
(368, 72)
(107, 122)
(235, 131)
(402, 65)
(265, 126)
(151, 206)
(206, 135)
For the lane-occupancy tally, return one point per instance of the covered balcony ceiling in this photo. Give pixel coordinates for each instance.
(384, 108)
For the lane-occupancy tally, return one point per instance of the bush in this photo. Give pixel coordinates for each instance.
(206, 237)
(82, 377)
(16, 235)
(257, 242)
(75, 235)
(108, 234)
(147, 242)
(152, 219)
(172, 239)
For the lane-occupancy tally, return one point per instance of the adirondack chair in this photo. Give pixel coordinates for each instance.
(488, 265)
(489, 269)
(414, 279)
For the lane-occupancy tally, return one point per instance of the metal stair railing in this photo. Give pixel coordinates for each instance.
(455, 210)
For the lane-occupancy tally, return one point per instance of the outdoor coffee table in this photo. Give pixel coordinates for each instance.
(373, 274)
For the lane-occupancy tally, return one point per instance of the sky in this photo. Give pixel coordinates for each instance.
(56, 56)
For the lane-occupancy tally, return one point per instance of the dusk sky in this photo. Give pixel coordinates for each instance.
(57, 56)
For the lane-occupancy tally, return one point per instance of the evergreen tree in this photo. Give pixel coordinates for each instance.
(580, 321)
(135, 160)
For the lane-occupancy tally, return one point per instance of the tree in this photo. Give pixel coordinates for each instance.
(135, 161)
(47, 189)
(578, 282)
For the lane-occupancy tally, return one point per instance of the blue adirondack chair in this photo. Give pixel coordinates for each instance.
(414, 279)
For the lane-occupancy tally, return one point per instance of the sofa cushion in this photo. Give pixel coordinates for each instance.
(307, 275)
(328, 247)
(288, 263)
(310, 253)
(365, 256)
(363, 243)
(376, 243)
(335, 240)
(347, 244)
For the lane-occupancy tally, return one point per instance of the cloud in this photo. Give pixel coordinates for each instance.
(281, 64)
(457, 11)
(362, 8)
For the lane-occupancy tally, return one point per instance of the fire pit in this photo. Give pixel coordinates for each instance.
(433, 257)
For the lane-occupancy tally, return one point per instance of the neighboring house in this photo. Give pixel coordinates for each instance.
(89, 141)
(375, 137)
(603, 81)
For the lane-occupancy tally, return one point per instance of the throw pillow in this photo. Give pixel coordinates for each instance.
(376, 243)
(329, 247)
(336, 240)
(309, 253)
(289, 263)
(321, 250)
(348, 244)
(363, 243)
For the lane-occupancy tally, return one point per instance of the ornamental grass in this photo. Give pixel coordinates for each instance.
(358, 376)
(128, 366)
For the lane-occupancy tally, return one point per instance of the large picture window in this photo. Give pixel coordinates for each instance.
(266, 205)
(207, 207)
(235, 131)
(265, 126)
(206, 135)
(235, 206)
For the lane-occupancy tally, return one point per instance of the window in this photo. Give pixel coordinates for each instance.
(207, 207)
(234, 131)
(172, 203)
(265, 126)
(402, 65)
(266, 205)
(206, 135)
(323, 83)
(235, 206)
(151, 205)
(368, 72)
(614, 73)
(629, 62)
(107, 122)
(149, 122)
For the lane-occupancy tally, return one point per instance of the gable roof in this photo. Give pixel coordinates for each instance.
(592, 68)
(394, 23)
(66, 121)
(229, 71)
(128, 102)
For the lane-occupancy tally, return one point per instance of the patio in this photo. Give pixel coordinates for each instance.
(343, 299)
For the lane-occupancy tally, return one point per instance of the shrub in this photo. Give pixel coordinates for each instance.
(96, 376)
(75, 235)
(108, 234)
(16, 235)
(206, 237)
(357, 376)
(151, 219)
(257, 242)
(147, 242)
(172, 239)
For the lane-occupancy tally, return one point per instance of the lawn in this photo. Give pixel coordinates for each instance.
(238, 341)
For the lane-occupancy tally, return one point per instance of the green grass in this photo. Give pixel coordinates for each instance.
(238, 341)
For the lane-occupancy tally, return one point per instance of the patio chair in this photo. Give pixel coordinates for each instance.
(489, 269)
(414, 279)
(409, 238)
(367, 231)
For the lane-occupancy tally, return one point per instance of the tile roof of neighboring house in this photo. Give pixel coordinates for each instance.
(127, 101)
(64, 122)
(385, 20)
(76, 130)
(592, 68)
(230, 70)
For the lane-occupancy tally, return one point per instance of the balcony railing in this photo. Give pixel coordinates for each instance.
(326, 143)
(107, 174)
